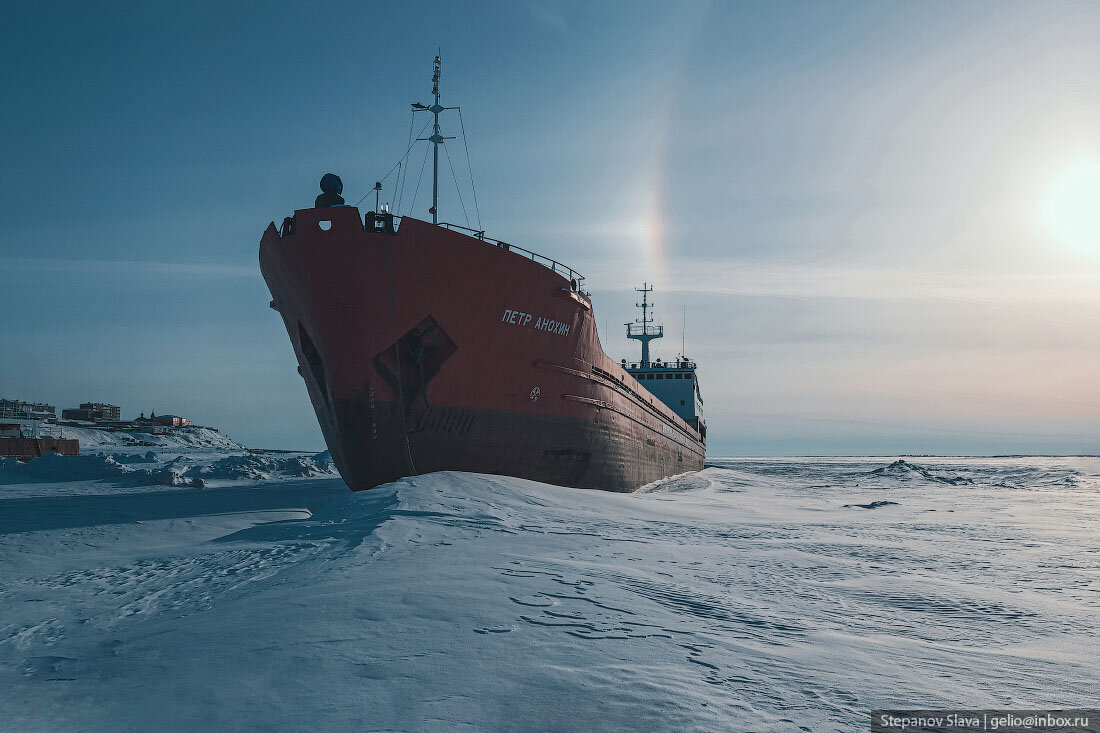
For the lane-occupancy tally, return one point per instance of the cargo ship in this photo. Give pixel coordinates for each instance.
(429, 347)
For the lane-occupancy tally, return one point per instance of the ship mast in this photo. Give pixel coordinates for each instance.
(640, 329)
(436, 138)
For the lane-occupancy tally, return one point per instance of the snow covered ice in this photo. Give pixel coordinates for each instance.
(759, 594)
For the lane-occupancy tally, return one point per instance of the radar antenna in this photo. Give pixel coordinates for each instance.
(640, 329)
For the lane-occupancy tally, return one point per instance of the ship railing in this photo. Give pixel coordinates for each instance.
(387, 220)
(673, 365)
(638, 329)
(543, 260)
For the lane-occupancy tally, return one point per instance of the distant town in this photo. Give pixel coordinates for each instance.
(28, 429)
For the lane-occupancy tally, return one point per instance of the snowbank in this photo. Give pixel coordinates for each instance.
(746, 597)
(263, 467)
(901, 469)
(93, 439)
(54, 467)
(195, 470)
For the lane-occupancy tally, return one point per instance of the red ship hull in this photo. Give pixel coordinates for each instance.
(427, 350)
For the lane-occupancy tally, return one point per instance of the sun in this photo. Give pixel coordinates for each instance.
(1071, 207)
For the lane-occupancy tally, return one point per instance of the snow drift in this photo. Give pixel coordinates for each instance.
(93, 440)
(744, 597)
(182, 470)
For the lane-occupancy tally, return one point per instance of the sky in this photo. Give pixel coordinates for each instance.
(878, 220)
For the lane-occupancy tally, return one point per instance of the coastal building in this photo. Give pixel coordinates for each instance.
(93, 412)
(172, 421)
(19, 410)
(22, 435)
(168, 421)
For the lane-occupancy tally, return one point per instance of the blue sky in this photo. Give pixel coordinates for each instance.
(875, 214)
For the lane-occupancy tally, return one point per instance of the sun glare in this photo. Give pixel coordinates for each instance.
(1071, 208)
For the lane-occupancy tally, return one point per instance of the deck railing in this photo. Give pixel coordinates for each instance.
(680, 364)
(543, 260)
(393, 222)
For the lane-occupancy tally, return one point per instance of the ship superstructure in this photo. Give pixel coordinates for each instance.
(675, 383)
(428, 347)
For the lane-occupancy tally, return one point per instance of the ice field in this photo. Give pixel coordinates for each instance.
(759, 594)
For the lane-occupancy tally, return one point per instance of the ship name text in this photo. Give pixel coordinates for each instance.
(542, 323)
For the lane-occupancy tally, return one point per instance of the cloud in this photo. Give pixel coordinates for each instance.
(131, 267)
(725, 277)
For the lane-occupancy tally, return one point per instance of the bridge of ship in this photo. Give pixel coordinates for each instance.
(672, 382)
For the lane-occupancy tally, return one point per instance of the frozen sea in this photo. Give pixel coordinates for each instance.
(756, 595)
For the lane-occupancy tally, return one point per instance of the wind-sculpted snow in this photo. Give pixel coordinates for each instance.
(150, 469)
(260, 467)
(772, 595)
(191, 438)
(900, 469)
(872, 505)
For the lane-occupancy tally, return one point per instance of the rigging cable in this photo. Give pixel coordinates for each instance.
(462, 125)
(403, 174)
(457, 188)
(412, 206)
(401, 196)
(394, 196)
(397, 165)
